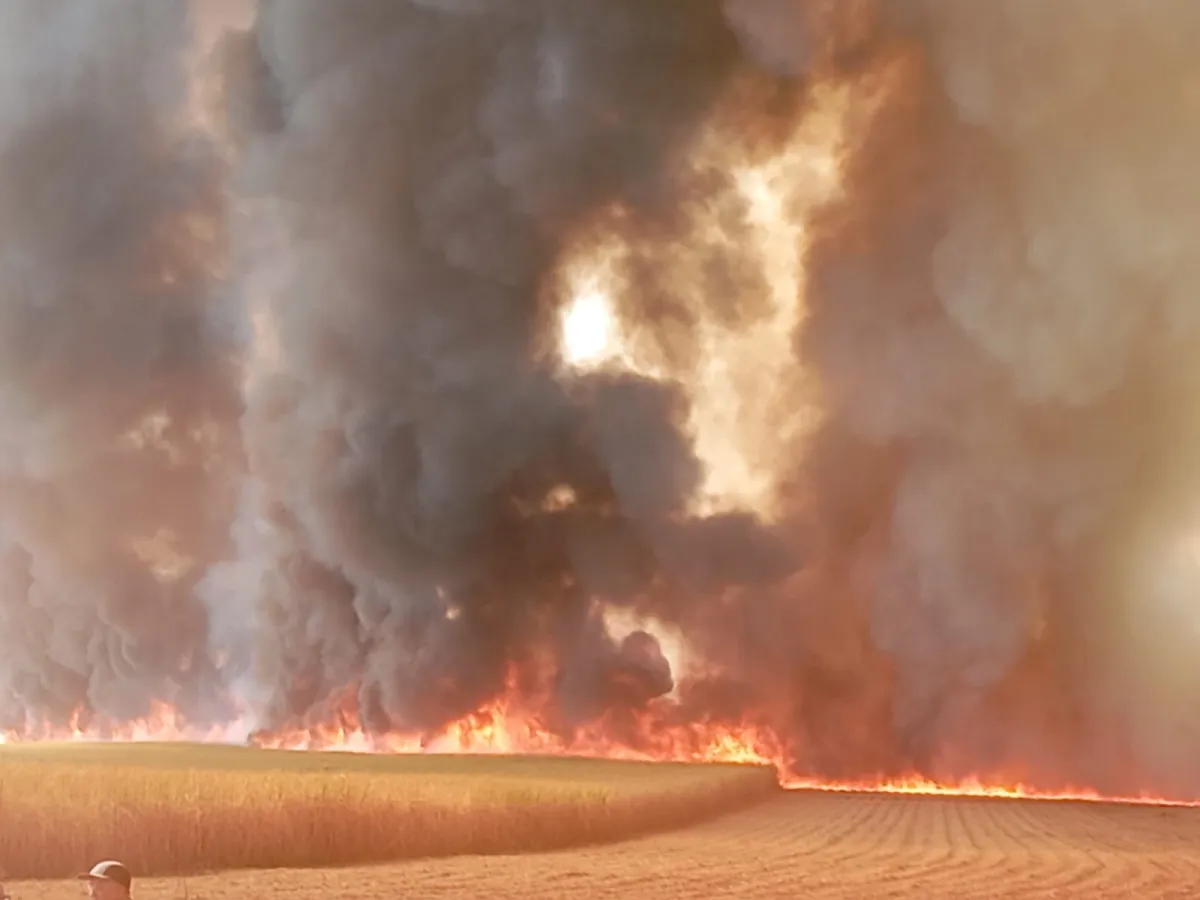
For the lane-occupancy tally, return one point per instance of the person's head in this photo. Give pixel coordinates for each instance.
(108, 880)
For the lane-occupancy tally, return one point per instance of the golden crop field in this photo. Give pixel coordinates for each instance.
(799, 845)
(180, 808)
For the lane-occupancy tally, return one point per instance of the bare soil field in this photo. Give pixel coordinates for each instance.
(800, 845)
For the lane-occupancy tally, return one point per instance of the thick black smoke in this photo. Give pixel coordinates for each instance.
(284, 425)
(422, 169)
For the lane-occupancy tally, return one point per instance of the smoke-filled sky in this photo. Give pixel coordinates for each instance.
(380, 358)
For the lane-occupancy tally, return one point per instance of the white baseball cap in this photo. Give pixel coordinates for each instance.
(109, 870)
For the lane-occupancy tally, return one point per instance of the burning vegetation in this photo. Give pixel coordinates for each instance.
(797, 381)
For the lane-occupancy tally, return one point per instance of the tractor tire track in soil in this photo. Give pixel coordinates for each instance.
(802, 844)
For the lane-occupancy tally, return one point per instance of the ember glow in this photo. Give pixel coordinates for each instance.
(778, 381)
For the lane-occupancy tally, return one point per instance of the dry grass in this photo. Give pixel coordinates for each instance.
(810, 846)
(167, 809)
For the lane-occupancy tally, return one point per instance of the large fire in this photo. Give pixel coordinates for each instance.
(505, 727)
(730, 275)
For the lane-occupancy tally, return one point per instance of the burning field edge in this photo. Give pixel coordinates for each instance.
(179, 807)
(765, 415)
(506, 729)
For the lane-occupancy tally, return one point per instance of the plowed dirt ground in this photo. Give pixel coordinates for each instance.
(801, 845)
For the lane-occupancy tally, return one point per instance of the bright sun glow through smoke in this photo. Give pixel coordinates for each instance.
(750, 404)
(588, 329)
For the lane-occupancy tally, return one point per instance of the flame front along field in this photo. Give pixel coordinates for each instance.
(496, 732)
(801, 383)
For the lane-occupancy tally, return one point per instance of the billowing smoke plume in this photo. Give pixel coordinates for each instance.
(420, 170)
(114, 374)
(899, 437)
(1003, 314)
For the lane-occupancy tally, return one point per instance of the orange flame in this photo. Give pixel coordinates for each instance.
(977, 787)
(504, 728)
(741, 444)
(162, 724)
(509, 725)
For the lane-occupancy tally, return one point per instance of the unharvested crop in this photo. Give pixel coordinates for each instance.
(178, 809)
(809, 845)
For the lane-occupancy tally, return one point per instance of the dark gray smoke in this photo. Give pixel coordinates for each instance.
(115, 383)
(420, 169)
(284, 428)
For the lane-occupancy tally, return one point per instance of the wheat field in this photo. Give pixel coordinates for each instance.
(797, 844)
(800, 845)
(178, 809)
